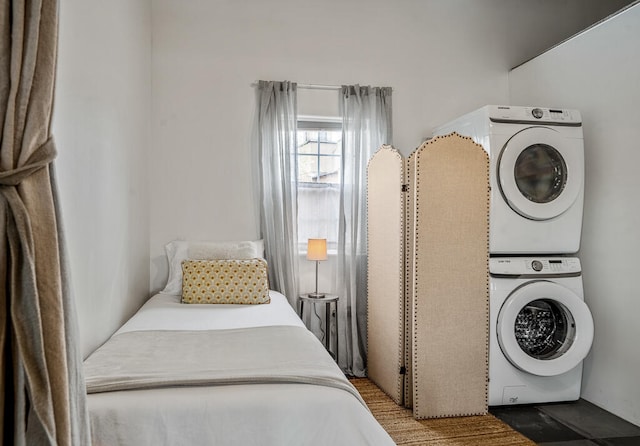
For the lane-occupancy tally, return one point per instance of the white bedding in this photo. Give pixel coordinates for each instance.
(244, 414)
(165, 312)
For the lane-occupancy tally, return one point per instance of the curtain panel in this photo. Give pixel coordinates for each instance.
(366, 125)
(275, 140)
(41, 382)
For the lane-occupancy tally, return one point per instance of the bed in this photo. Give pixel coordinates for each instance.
(224, 374)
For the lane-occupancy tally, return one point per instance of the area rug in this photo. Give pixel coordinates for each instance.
(484, 430)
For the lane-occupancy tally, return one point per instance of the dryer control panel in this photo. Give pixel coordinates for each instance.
(533, 115)
(534, 266)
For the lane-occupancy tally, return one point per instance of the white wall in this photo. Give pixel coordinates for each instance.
(101, 126)
(441, 58)
(124, 192)
(597, 73)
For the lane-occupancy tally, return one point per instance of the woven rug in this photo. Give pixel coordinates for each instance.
(485, 430)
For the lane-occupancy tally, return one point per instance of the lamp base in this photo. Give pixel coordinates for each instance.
(316, 295)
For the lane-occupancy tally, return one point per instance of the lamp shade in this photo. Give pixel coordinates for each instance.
(317, 249)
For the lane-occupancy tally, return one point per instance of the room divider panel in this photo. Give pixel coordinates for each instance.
(428, 276)
(386, 259)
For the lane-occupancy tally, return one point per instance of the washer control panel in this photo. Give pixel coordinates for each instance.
(518, 266)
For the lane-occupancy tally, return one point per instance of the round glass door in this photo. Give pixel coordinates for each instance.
(544, 328)
(540, 173)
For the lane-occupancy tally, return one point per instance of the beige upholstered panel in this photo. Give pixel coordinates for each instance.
(450, 283)
(385, 288)
(410, 238)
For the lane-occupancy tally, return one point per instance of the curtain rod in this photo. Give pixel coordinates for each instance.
(319, 87)
(311, 86)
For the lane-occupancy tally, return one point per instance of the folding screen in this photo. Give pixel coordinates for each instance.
(385, 309)
(428, 276)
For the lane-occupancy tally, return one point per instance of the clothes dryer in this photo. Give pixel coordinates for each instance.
(536, 176)
(540, 330)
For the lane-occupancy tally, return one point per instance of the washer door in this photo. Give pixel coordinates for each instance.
(544, 328)
(540, 173)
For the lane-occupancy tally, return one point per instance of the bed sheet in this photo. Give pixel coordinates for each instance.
(165, 312)
(247, 415)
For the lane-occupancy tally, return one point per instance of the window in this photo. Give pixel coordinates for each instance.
(319, 155)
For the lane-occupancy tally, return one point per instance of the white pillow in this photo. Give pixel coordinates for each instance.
(180, 250)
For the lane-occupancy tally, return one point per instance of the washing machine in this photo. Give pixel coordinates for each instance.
(540, 330)
(536, 176)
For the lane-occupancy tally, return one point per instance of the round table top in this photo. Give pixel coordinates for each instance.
(325, 298)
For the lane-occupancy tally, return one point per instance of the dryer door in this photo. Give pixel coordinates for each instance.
(544, 328)
(540, 173)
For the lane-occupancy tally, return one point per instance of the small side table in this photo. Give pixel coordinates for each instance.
(328, 300)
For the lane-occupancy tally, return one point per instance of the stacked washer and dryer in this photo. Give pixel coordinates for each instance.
(540, 328)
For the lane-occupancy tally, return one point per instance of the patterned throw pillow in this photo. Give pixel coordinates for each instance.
(225, 282)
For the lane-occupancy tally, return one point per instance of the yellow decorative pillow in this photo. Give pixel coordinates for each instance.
(225, 282)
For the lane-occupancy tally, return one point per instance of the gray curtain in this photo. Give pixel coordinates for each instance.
(41, 382)
(275, 140)
(366, 125)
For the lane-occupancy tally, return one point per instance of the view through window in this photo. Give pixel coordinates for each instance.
(319, 162)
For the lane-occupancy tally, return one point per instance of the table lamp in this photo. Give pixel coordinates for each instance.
(317, 250)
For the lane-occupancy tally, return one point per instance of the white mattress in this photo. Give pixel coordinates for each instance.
(165, 312)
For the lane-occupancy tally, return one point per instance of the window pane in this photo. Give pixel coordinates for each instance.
(330, 148)
(330, 169)
(308, 147)
(307, 135)
(318, 212)
(307, 168)
(335, 136)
